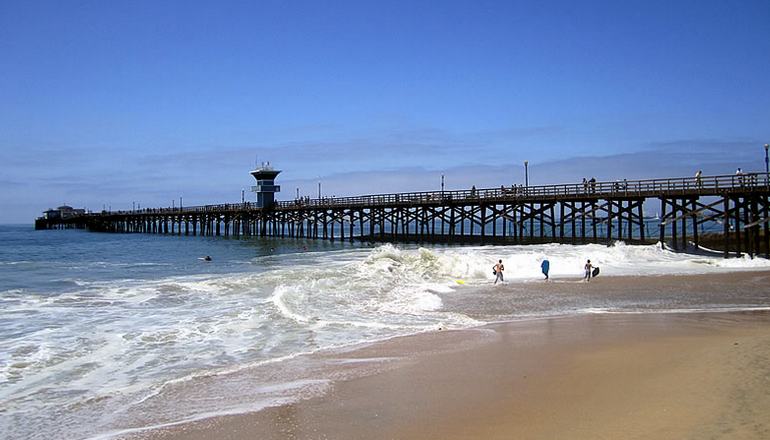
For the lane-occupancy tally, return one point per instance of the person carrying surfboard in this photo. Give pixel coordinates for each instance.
(498, 271)
(588, 268)
(545, 266)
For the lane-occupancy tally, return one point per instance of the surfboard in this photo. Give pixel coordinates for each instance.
(595, 273)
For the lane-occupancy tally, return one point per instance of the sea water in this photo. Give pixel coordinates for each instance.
(103, 334)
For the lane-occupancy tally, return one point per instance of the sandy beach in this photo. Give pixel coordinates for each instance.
(592, 376)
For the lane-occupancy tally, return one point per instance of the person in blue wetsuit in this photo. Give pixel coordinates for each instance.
(545, 266)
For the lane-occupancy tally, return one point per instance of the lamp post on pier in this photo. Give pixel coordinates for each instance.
(767, 166)
(442, 183)
(526, 173)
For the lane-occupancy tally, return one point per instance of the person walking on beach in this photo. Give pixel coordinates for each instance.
(498, 271)
(588, 268)
(545, 266)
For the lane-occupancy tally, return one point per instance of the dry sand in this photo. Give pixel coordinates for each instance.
(604, 376)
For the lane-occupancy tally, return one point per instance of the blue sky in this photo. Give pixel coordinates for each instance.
(109, 103)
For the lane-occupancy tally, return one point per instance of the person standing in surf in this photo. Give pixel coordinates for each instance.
(545, 266)
(498, 271)
(588, 268)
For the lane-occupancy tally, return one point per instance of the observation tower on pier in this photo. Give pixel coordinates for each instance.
(265, 187)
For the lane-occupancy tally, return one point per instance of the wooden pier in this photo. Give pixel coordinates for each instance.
(589, 212)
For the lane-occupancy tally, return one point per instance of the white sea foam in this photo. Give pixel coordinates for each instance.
(15, 263)
(720, 309)
(523, 262)
(281, 394)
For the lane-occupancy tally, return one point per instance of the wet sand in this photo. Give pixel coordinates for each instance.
(724, 291)
(652, 375)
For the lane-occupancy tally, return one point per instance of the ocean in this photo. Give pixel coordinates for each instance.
(108, 334)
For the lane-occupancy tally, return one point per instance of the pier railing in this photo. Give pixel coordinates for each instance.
(705, 185)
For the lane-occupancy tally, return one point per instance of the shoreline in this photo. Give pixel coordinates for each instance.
(438, 381)
(745, 290)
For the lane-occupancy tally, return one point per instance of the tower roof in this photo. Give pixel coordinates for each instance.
(265, 172)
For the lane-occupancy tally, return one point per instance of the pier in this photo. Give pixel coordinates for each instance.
(734, 207)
